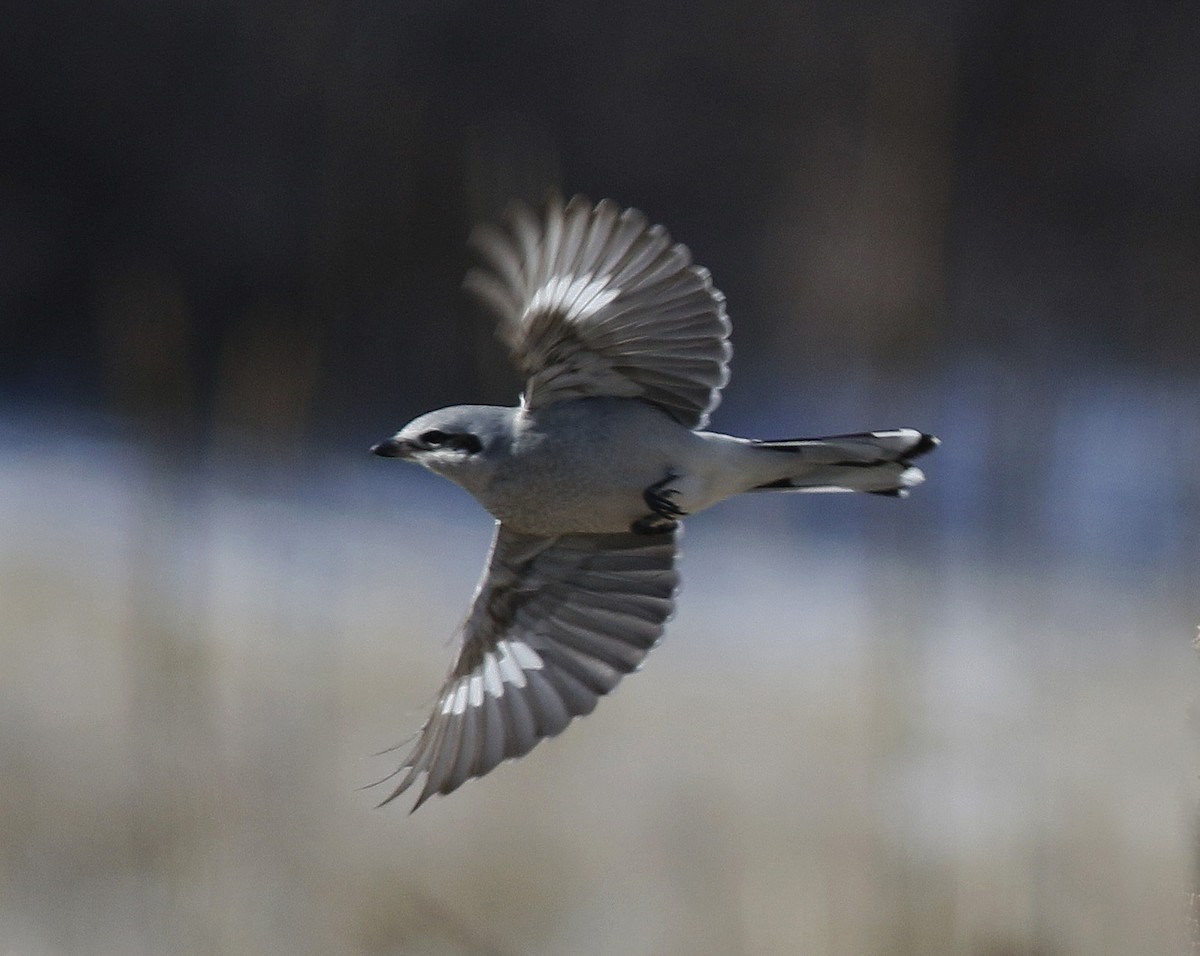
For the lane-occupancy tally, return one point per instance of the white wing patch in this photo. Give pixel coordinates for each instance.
(526, 656)
(516, 657)
(492, 680)
(582, 296)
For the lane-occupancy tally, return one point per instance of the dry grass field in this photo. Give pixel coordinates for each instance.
(839, 749)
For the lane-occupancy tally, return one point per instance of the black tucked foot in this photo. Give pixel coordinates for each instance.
(664, 513)
(658, 498)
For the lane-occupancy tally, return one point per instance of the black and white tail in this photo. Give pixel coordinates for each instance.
(879, 463)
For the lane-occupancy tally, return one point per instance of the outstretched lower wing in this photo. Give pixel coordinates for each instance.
(555, 624)
(595, 301)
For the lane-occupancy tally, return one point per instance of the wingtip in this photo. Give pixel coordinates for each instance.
(401, 789)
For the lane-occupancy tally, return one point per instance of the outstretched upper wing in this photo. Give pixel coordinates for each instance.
(594, 301)
(555, 624)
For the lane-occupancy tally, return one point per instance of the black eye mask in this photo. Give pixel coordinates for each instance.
(464, 442)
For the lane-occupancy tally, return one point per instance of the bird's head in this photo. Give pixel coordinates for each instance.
(456, 442)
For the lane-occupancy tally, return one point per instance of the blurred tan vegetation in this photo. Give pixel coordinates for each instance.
(833, 752)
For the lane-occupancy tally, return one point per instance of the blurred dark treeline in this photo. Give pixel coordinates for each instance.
(248, 221)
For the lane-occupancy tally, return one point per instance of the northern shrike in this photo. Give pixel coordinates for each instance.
(624, 346)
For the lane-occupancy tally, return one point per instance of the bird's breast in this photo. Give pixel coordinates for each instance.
(580, 470)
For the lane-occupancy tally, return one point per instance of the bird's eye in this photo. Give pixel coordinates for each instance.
(433, 437)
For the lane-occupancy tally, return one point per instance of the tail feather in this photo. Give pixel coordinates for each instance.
(873, 462)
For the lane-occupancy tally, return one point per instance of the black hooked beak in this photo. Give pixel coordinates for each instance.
(393, 448)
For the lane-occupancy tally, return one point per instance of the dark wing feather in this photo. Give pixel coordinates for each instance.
(594, 301)
(555, 624)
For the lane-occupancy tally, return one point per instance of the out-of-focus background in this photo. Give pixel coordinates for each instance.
(232, 238)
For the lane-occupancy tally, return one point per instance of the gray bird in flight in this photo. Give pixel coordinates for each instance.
(624, 346)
